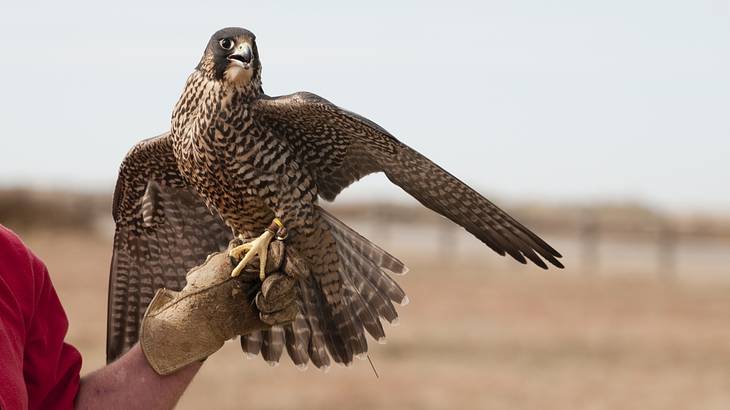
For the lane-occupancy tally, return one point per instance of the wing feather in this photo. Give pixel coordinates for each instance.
(357, 147)
(163, 229)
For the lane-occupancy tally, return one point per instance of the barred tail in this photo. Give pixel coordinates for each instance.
(369, 294)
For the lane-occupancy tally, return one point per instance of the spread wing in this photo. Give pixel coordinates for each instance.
(340, 147)
(163, 229)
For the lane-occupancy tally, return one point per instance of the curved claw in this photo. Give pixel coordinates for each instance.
(259, 246)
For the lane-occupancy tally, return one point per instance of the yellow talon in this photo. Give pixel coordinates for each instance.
(259, 246)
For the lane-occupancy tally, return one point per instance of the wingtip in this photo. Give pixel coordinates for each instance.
(521, 260)
(555, 262)
(398, 271)
(536, 260)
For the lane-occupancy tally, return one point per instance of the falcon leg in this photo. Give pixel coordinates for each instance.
(259, 246)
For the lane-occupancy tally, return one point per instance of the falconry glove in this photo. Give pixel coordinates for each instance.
(182, 327)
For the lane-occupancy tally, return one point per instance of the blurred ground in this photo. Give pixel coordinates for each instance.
(480, 332)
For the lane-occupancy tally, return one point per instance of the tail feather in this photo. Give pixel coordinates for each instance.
(373, 296)
(338, 347)
(367, 316)
(364, 273)
(359, 341)
(317, 342)
(362, 246)
(320, 332)
(251, 343)
(273, 344)
(297, 336)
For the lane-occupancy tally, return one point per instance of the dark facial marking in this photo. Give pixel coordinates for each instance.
(222, 43)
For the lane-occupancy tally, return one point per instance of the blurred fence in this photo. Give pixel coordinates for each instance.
(25, 209)
(594, 239)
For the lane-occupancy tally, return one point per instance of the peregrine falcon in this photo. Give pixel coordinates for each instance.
(238, 162)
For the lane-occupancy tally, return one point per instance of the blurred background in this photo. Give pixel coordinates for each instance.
(601, 125)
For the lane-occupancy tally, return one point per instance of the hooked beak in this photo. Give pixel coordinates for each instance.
(242, 56)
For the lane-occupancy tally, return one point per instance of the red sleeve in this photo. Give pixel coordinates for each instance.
(39, 370)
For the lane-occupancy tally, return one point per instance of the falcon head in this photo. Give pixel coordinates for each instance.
(232, 57)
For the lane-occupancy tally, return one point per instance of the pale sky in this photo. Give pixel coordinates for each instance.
(532, 99)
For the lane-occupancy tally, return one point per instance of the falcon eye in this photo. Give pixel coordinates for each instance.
(226, 43)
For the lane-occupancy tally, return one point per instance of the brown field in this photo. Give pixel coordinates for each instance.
(482, 332)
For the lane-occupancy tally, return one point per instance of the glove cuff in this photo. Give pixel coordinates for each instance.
(171, 341)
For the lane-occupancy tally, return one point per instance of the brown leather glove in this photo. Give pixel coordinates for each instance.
(180, 328)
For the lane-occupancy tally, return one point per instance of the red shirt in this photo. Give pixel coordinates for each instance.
(37, 369)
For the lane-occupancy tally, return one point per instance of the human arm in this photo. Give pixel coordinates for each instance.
(181, 328)
(130, 382)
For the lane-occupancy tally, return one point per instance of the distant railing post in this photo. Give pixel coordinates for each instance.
(589, 237)
(383, 226)
(447, 237)
(666, 250)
